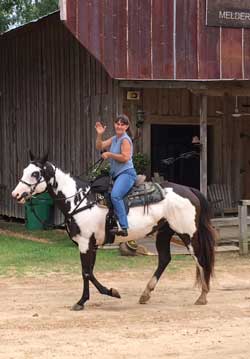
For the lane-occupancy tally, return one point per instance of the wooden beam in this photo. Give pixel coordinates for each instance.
(162, 84)
(243, 238)
(232, 91)
(203, 140)
(179, 120)
(209, 88)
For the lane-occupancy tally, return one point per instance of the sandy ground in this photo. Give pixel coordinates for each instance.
(36, 321)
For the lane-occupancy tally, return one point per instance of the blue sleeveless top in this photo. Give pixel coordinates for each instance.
(117, 167)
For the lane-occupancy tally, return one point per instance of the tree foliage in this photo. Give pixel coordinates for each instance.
(17, 12)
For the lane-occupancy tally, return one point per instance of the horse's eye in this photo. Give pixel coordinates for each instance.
(35, 174)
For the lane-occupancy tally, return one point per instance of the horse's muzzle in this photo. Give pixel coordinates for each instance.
(22, 198)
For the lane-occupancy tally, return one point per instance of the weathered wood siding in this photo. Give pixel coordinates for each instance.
(158, 39)
(230, 151)
(52, 92)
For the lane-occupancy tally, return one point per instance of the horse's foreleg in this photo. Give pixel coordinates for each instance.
(163, 238)
(86, 270)
(88, 262)
(204, 289)
(103, 290)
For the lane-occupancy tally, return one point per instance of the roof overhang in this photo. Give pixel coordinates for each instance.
(207, 87)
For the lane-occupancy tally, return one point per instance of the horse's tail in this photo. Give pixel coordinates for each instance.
(205, 239)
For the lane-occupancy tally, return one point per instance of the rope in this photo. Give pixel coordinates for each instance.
(185, 156)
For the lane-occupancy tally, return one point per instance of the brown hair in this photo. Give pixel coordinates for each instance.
(125, 120)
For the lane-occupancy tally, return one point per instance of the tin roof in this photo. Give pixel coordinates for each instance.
(158, 39)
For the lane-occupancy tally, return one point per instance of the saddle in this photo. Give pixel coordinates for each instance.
(142, 194)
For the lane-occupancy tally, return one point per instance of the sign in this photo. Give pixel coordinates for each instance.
(133, 95)
(228, 13)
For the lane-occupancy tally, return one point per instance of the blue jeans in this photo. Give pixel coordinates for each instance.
(123, 183)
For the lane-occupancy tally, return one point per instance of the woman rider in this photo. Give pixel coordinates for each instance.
(119, 152)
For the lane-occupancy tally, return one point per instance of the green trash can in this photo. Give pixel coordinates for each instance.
(39, 212)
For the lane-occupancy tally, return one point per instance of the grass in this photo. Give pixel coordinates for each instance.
(20, 257)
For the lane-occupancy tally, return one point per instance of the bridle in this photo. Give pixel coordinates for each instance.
(41, 179)
(46, 177)
(33, 185)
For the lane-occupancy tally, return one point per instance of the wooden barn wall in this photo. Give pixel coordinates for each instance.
(230, 150)
(52, 93)
(159, 39)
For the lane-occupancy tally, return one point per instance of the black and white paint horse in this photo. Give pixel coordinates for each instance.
(183, 211)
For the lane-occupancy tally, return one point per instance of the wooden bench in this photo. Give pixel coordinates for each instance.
(219, 195)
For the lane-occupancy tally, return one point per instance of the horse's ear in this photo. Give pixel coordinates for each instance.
(32, 156)
(44, 159)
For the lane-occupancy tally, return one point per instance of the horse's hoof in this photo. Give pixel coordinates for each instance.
(115, 293)
(144, 298)
(76, 307)
(201, 302)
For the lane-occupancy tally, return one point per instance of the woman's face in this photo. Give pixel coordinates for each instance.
(120, 128)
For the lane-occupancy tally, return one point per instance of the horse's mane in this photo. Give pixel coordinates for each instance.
(81, 183)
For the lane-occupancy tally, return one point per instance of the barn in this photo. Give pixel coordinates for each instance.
(180, 69)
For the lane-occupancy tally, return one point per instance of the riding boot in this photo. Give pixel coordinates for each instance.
(119, 232)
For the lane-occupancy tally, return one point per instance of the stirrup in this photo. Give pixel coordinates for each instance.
(119, 232)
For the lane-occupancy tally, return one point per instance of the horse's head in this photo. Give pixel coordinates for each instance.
(33, 180)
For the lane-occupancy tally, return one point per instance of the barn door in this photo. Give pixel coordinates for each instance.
(174, 142)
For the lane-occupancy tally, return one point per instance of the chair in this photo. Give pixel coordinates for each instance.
(219, 195)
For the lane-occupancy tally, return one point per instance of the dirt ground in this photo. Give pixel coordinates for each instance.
(36, 321)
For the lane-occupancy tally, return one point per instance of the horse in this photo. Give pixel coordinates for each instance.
(183, 211)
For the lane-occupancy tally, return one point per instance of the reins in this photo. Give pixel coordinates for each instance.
(98, 162)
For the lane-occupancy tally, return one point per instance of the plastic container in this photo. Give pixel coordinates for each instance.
(39, 212)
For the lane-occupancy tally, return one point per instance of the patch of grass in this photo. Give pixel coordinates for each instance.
(50, 235)
(20, 257)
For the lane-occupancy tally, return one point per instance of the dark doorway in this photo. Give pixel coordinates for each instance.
(171, 142)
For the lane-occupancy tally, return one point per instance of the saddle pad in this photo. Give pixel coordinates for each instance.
(145, 194)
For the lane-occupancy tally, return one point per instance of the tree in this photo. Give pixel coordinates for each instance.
(17, 12)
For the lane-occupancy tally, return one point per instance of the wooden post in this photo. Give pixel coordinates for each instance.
(203, 140)
(243, 237)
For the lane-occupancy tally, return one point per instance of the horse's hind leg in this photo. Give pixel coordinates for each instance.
(204, 289)
(163, 238)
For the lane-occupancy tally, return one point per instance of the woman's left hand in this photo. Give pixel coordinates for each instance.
(106, 155)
